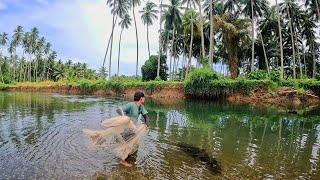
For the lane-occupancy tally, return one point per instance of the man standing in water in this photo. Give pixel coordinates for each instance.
(134, 110)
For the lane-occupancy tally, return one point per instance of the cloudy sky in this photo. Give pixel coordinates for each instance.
(79, 29)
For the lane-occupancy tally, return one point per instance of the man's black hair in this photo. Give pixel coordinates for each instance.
(138, 95)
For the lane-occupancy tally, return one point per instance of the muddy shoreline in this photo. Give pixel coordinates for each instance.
(284, 97)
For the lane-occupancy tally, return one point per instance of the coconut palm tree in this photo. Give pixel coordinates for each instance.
(188, 22)
(119, 9)
(280, 39)
(234, 36)
(46, 51)
(308, 32)
(314, 6)
(148, 15)
(34, 38)
(3, 42)
(160, 41)
(172, 18)
(16, 41)
(253, 9)
(124, 23)
(135, 3)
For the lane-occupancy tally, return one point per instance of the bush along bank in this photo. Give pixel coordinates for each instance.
(108, 88)
(204, 83)
(258, 88)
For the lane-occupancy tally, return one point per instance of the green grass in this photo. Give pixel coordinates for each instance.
(206, 85)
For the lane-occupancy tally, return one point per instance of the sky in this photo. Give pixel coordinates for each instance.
(79, 30)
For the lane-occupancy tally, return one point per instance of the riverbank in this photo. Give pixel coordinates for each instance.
(152, 89)
(254, 92)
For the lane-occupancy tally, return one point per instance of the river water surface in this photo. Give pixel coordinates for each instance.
(41, 138)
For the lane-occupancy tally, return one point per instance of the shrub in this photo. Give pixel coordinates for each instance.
(150, 67)
(317, 76)
(199, 77)
(275, 76)
(258, 75)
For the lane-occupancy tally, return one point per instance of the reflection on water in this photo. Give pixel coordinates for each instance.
(41, 137)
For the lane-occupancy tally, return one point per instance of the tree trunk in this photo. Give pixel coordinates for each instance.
(172, 50)
(190, 51)
(264, 53)
(160, 41)
(110, 57)
(317, 6)
(233, 64)
(314, 61)
(202, 35)
(148, 40)
(106, 53)
(183, 66)
(137, 40)
(44, 69)
(280, 39)
(119, 52)
(293, 46)
(252, 37)
(304, 61)
(298, 54)
(211, 35)
(1, 49)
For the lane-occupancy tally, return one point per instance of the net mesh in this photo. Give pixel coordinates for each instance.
(121, 134)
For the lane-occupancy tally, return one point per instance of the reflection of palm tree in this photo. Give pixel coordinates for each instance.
(124, 24)
(148, 15)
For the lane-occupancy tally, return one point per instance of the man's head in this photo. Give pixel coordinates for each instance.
(139, 97)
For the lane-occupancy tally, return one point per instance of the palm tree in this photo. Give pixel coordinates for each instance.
(148, 15)
(280, 39)
(172, 18)
(232, 6)
(211, 46)
(160, 41)
(46, 51)
(135, 3)
(119, 9)
(124, 24)
(190, 3)
(308, 33)
(16, 41)
(314, 7)
(234, 35)
(34, 37)
(3, 42)
(254, 8)
(40, 50)
(188, 22)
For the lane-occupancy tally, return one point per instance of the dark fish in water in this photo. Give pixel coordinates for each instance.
(202, 155)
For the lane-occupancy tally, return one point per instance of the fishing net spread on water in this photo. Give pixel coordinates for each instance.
(121, 134)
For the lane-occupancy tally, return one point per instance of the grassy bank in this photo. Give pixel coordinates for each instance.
(204, 83)
(200, 84)
(86, 86)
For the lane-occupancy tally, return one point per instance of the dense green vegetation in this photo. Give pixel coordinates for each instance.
(30, 58)
(195, 35)
(243, 35)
